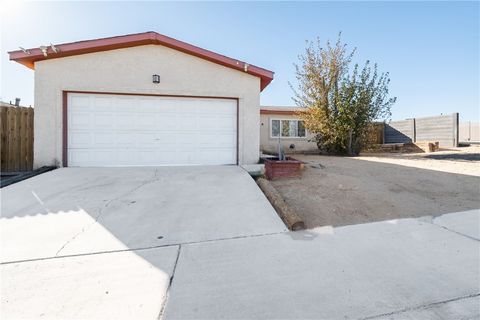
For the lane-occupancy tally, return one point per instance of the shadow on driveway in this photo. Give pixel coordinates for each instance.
(104, 242)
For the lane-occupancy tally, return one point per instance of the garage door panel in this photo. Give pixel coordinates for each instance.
(207, 123)
(83, 140)
(218, 106)
(186, 122)
(215, 156)
(79, 120)
(167, 106)
(125, 121)
(216, 123)
(144, 139)
(80, 108)
(124, 103)
(183, 107)
(165, 139)
(80, 139)
(91, 157)
(146, 121)
(226, 140)
(102, 103)
(216, 140)
(166, 157)
(103, 156)
(147, 105)
(166, 122)
(103, 109)
(78, 156)
(103, 120)
(103, 139)
(144, 156)
(125, 139)
(80, 101)
(183, 139)
(226, 122)
(125, 157)
(114, 130)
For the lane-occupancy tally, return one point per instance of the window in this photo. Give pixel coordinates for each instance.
(288, 128)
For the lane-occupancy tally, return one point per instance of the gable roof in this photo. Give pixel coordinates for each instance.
(29, 57)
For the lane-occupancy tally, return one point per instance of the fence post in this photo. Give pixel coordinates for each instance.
(383, 132)
(23, 139)
(30, 138)
(3, 138)
(455, 129)
(414, 130)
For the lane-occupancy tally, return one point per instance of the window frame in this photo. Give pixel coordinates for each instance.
(280, 129)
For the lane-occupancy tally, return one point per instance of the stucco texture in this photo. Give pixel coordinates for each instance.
(270, 145)
(130, 70)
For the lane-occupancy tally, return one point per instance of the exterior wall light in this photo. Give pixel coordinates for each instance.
(156, 78)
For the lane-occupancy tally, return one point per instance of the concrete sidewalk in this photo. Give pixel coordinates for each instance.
(402, 269)
(118, 285)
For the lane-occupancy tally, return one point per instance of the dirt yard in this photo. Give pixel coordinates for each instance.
(339, 191)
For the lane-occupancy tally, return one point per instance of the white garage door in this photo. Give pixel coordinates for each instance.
(121, 130)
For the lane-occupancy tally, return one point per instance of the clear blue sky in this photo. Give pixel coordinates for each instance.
(431, 49)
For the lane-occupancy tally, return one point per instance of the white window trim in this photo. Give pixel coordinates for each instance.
(271, 127)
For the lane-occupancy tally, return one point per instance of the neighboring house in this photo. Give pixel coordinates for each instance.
(143, 99)
(282, 123)
(10, 104)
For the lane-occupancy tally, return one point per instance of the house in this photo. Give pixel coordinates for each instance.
(10, 104)
(143, 99)
(282, 123)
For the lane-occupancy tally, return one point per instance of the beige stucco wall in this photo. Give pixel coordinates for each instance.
(270, 145)
(130, 70)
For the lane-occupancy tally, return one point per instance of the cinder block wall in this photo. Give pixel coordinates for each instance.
(444, 129)
(469, 132)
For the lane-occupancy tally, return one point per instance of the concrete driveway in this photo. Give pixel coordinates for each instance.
(103, 242)
(204, 243)
(75, 211)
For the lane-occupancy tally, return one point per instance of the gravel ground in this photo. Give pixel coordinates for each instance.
(342, 191)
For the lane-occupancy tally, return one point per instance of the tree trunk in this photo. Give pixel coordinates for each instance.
(350, 152)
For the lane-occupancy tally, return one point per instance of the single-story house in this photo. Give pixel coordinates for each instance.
(143, 99)
(282, 124)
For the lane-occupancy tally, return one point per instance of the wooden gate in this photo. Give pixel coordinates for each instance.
(16, 130)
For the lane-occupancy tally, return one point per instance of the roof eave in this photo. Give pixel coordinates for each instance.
(29, 58)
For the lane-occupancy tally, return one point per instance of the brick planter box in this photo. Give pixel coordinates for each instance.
(289, 168)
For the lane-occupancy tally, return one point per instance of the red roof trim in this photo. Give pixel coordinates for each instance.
(132, 40)
(284, 112)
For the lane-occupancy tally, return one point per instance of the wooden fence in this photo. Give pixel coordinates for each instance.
(16, 130)
(374, 134)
